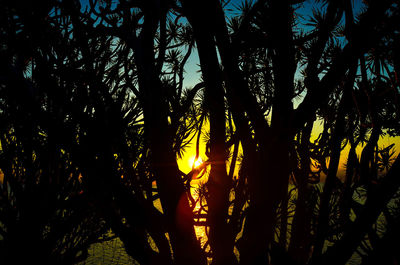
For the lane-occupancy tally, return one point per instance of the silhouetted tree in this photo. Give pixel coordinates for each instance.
(94, 116)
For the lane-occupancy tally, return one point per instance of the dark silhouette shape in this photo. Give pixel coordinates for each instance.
(94, 115)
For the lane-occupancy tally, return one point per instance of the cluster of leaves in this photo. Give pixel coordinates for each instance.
(94, 115)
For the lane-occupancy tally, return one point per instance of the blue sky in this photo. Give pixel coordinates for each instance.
(192, 75)
(231, 9)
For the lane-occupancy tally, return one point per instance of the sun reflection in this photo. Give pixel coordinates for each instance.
(199, 226)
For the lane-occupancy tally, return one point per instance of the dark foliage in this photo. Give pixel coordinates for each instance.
(94, 116)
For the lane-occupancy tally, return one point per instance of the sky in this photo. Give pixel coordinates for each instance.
(192, 76)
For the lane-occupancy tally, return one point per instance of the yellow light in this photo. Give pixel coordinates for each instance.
(196, 163)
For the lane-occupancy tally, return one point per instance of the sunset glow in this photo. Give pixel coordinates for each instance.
(195, 163)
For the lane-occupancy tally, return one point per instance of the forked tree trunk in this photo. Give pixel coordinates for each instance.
(300, 234)
(331, 179)
(219, 184)
(163, 161)
(341, 252)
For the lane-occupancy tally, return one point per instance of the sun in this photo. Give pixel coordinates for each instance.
(195, 163)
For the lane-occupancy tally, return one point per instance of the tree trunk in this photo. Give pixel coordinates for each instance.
(163, 162)
(331, 179)
(219, 184)
(300, 235)
(344, 248)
